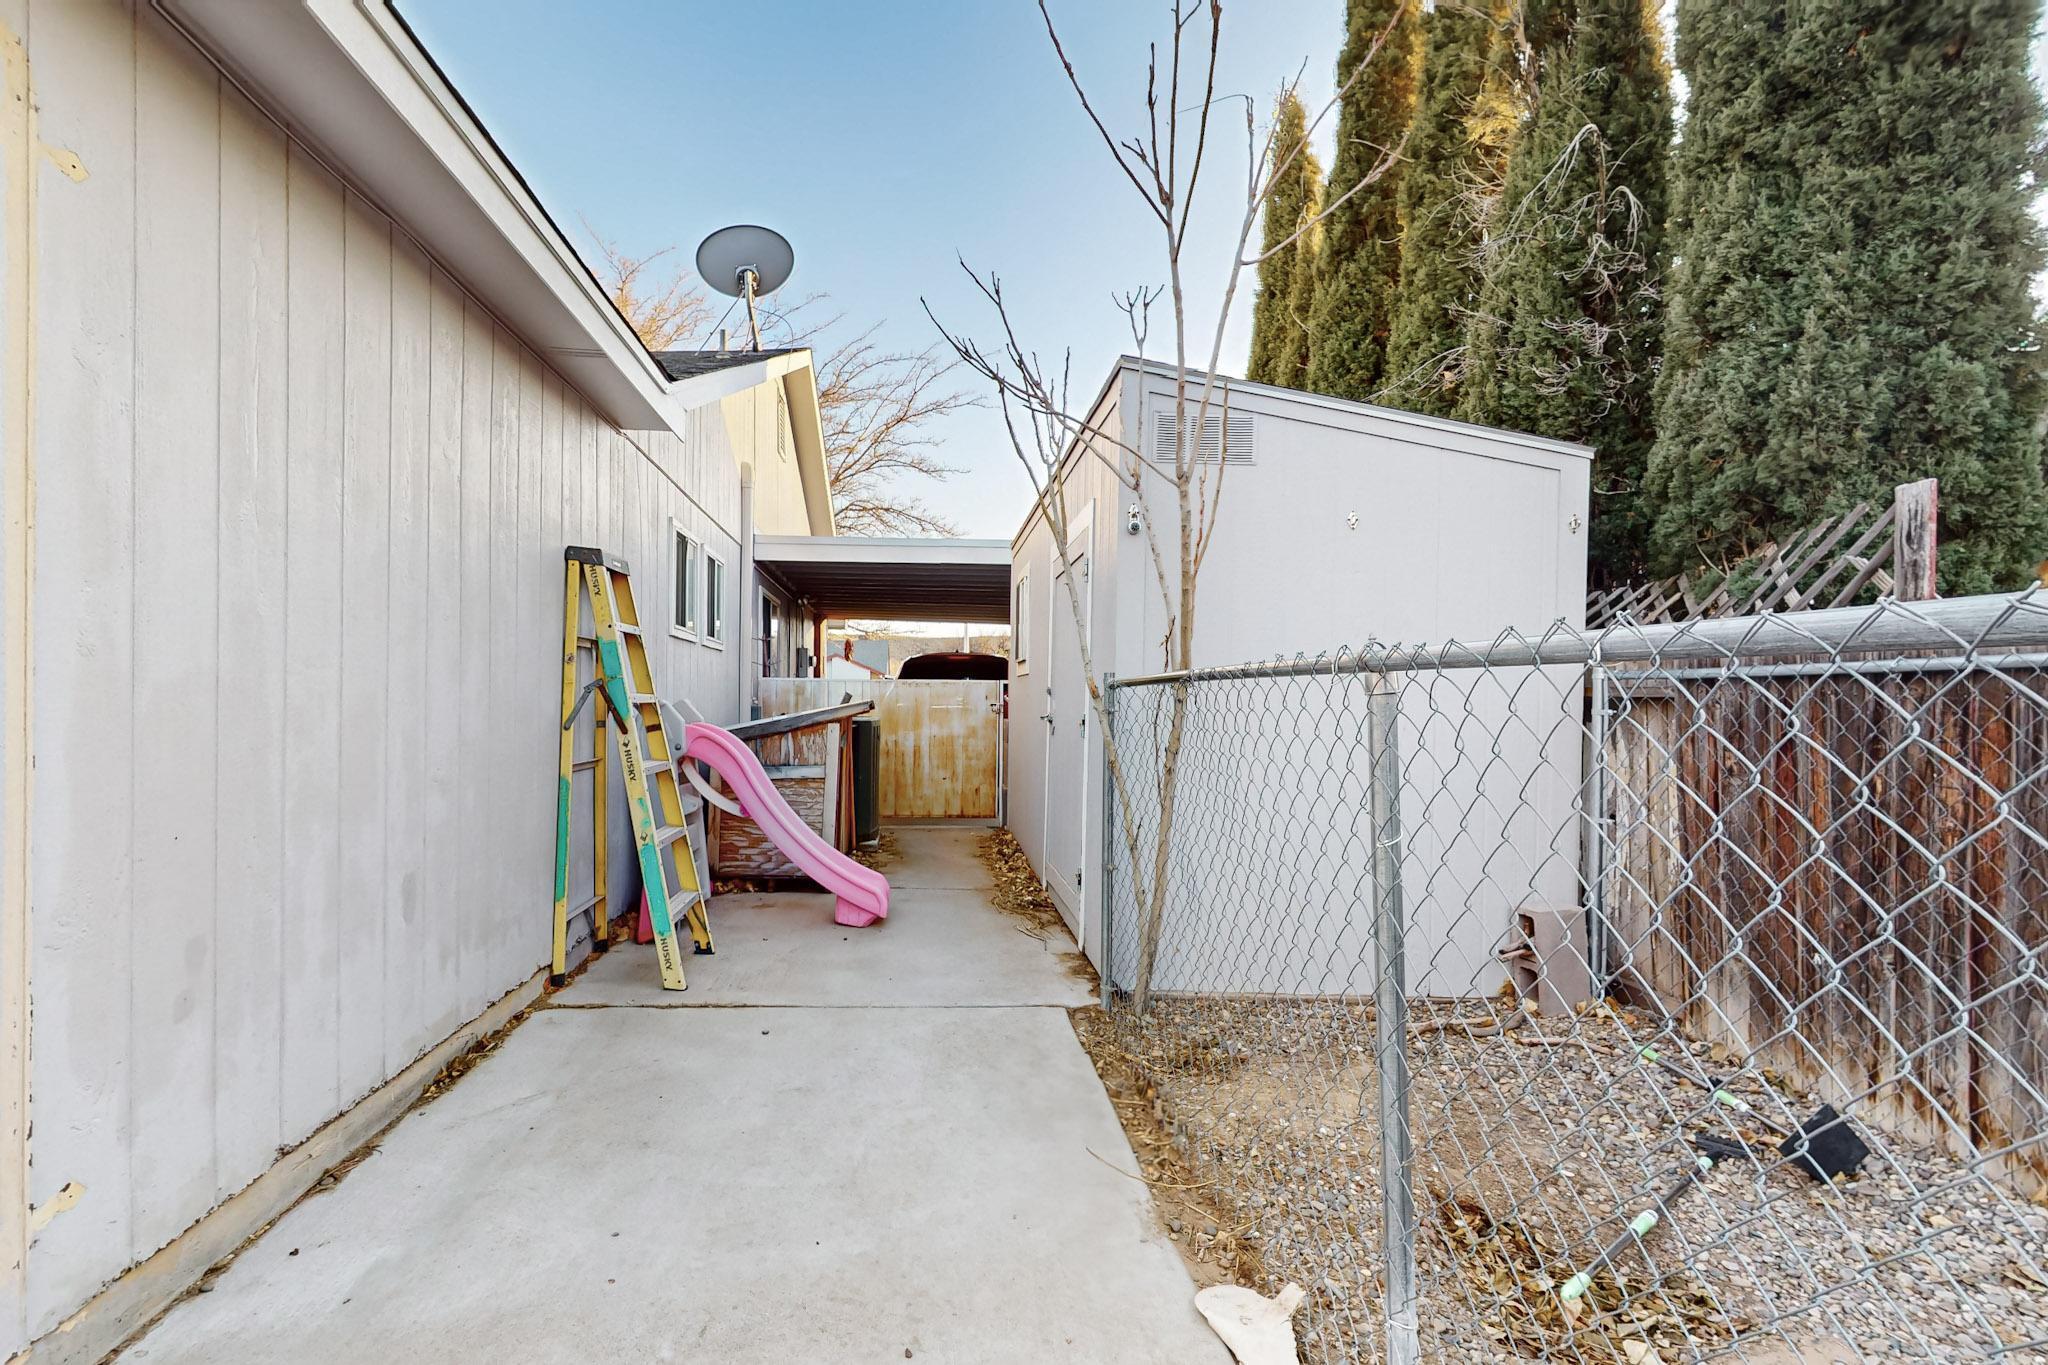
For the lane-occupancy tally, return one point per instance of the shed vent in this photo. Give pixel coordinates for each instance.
(1212, 445)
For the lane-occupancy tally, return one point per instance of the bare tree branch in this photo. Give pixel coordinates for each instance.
(1058, 440)
(667, 311)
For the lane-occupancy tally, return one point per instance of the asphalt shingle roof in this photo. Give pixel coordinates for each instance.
(680, 365)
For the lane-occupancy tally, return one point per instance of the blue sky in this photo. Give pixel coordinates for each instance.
(885, 140)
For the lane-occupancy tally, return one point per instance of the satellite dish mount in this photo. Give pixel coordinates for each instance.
(746, 261)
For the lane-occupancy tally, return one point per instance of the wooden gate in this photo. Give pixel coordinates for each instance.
(942, 739)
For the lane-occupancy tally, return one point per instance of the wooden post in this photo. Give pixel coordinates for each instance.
(1913, 540)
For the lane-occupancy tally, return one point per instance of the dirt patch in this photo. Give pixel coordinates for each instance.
(1504, 1260)
(1016, 890)
(1202, 1224)
(1534, 1146)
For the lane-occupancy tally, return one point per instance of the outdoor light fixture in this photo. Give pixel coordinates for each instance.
(1133, 519)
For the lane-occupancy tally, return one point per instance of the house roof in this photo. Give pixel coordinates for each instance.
(690, 364)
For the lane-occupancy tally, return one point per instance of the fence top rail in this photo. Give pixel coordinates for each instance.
(1973, 625)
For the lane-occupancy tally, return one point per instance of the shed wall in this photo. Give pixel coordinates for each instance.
(1041, 788)
(1461, 533)
(301, 506)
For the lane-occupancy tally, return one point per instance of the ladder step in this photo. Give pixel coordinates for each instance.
(584, 906)
(642, 698)
(625, 628)
(584, 765)
(668, 834)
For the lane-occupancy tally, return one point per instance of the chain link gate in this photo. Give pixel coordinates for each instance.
(1663, 994)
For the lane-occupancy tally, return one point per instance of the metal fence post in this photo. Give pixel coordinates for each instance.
(1107, 864)
(1397, 1173)
(1593, 855)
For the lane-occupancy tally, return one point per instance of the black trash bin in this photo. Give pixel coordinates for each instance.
(867, 780)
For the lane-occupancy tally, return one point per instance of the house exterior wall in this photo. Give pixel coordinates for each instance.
(1461, 532)
(758, 420)
(295, 640)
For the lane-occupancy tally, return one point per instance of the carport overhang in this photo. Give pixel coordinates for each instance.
(891, 577)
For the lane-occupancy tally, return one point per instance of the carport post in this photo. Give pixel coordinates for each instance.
(1390, 1013)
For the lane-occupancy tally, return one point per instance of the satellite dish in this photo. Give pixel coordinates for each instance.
(729, 255)
(746, 261)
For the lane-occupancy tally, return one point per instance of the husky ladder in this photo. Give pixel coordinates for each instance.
(629, 708)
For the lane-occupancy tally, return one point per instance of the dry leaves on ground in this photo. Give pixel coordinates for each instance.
(1017, 891)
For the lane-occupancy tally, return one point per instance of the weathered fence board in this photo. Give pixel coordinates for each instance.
(941, 739)
(1846, 877)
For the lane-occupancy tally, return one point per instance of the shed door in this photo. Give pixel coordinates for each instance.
(1066, 746)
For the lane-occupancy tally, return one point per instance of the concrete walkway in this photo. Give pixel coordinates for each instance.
(888, 1151)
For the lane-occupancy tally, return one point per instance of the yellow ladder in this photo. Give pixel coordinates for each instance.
(631, 711)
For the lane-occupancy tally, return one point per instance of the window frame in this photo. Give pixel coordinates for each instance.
(685, 581)
(711, 632)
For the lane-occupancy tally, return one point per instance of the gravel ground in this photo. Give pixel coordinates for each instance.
(1255, 1120)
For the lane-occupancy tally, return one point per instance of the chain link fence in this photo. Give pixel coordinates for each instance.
(1667, 994)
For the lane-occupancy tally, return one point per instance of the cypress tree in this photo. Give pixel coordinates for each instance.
(1279, 333)
(1439, 234)
(1360, 258)
(1565, 338)
(1301, 290)
(1852, 308)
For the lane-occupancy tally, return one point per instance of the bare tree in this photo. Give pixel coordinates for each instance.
(1163, 165)
(652, 293)
(875, 406)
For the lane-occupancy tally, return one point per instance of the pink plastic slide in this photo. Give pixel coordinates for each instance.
(863, 892)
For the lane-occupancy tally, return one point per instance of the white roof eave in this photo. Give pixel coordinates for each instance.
(348, 79)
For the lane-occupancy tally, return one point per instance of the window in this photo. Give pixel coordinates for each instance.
(1020, 621)
(714, 599)
(770, 638)
(683, 620)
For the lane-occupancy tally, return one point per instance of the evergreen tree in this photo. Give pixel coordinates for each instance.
(1301, 290)
(1439, 234)
(1565, 338)
(1360, 258)
(1279, 333)
(1851, 309)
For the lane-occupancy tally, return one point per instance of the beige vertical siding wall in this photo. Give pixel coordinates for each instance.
(298, 571)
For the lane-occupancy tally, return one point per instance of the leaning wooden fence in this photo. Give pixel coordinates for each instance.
(1865, 552)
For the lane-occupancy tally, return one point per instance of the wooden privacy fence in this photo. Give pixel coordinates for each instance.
(942, 739)
(1841, 868)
